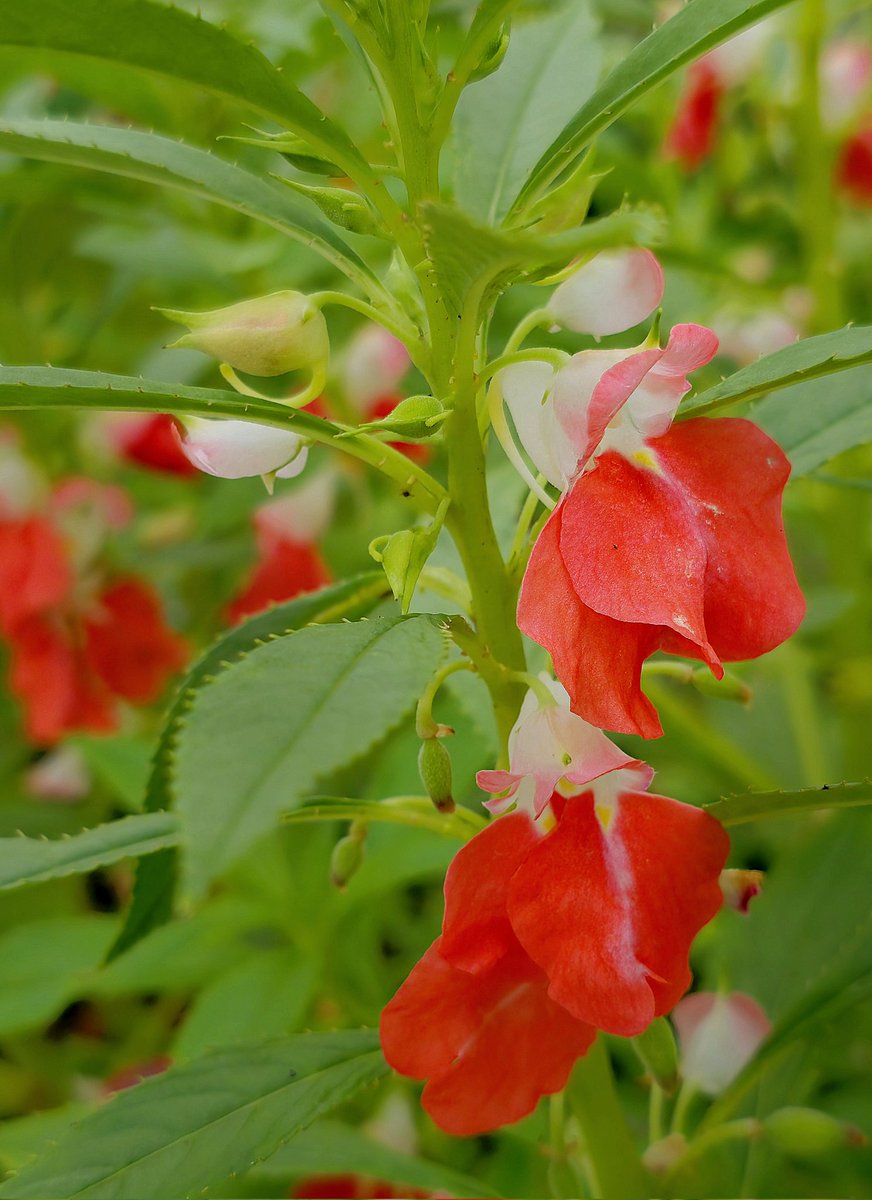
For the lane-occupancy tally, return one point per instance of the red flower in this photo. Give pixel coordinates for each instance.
(548, 937)
(685, 553)
(150, 440)
(289, 562)
(70, 667)
(854, 170)
(691, 136)
(353, 1187)
(34, 569)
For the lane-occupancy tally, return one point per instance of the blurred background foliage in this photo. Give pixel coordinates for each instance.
(276, 948)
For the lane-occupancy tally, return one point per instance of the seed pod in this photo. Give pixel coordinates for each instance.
(434, 767)
(807, 1133)
(347, 856)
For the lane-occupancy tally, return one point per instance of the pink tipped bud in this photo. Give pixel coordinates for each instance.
(717, 1035)
(266, 336)
(740, 887)
(612, 292)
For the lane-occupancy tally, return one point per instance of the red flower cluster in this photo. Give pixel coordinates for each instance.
(79, 641)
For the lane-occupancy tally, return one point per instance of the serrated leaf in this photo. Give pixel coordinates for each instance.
(178, 1133)
(48, 963)
(332, 1148)
(33, 860)
(696, 28)
(30, 388)
(154, 888)
(816, 421)
(312, 703)
(171, 42)
(502, 122)
(168, 163)
(758, 806)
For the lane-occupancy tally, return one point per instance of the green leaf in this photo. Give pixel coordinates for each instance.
(265, 995)
(33, 860)
(502, 122)
(154, 37)
(23, 388)
(120, 762)
(46, 964)
(313, 702)
(155, 878)
(695, 28)
(760, 806)
(816, 421)
(812, 358)
(332, 1148)
(181, 1132)
(169, 163)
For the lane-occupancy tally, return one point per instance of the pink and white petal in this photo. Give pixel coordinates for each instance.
(589, 752)
(597, 659)
(689, 347)
(475, 929)
(634, 551)
(301, 515)
(609, 908)
(718, 1035)
(612, 292)
(238, 449)
(733, 476)
(590, 390)
(526, 388)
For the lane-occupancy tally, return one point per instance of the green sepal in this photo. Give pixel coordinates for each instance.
(493, 56)
(565, 207)
(404, 554)
(416, 418)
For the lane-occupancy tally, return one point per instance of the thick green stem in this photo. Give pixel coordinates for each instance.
(615, 1166)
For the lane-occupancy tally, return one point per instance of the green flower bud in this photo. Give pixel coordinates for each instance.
(266, 336)
(347, 857)
(294, 150)
(492, 57)
(658, 1051)
(807, 1133)
(434, 767)
(344, 208)
(415, 418)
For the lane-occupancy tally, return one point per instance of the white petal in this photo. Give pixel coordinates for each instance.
(612, 292)
(718, 1035)
(526, 389)
(302, 515)
(239, 449)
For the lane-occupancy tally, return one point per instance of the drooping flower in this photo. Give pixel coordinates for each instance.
(553, 928)
(240, 449)
(669, 537)
(373, 365)
(611, 292)
(718, 1034)
(289, 562)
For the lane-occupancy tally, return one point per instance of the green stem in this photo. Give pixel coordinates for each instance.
(743, 1130)
(814, 170)
(593, 1099)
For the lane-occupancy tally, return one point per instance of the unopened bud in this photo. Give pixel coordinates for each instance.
(344, 208)
(416, 417)
(403, 556)
(658, 1051)
(266, 336)
(740, 887)
(434, 767)
(294, 150)
(492, 57)
(347, 857)
(807, 1133)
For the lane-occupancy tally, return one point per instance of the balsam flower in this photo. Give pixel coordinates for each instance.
(553, 929)
(669, 537)
(240, 449)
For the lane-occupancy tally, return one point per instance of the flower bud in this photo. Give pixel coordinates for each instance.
(266, 336)
(415, 417)
(661, 1156)
(807, 1133)
(658, 1051)
(718, 1035)
(240, 449)
(347, 856)
(344, 208)
(492, 57)
(611, 292)
(434, 767)
(740, 887)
